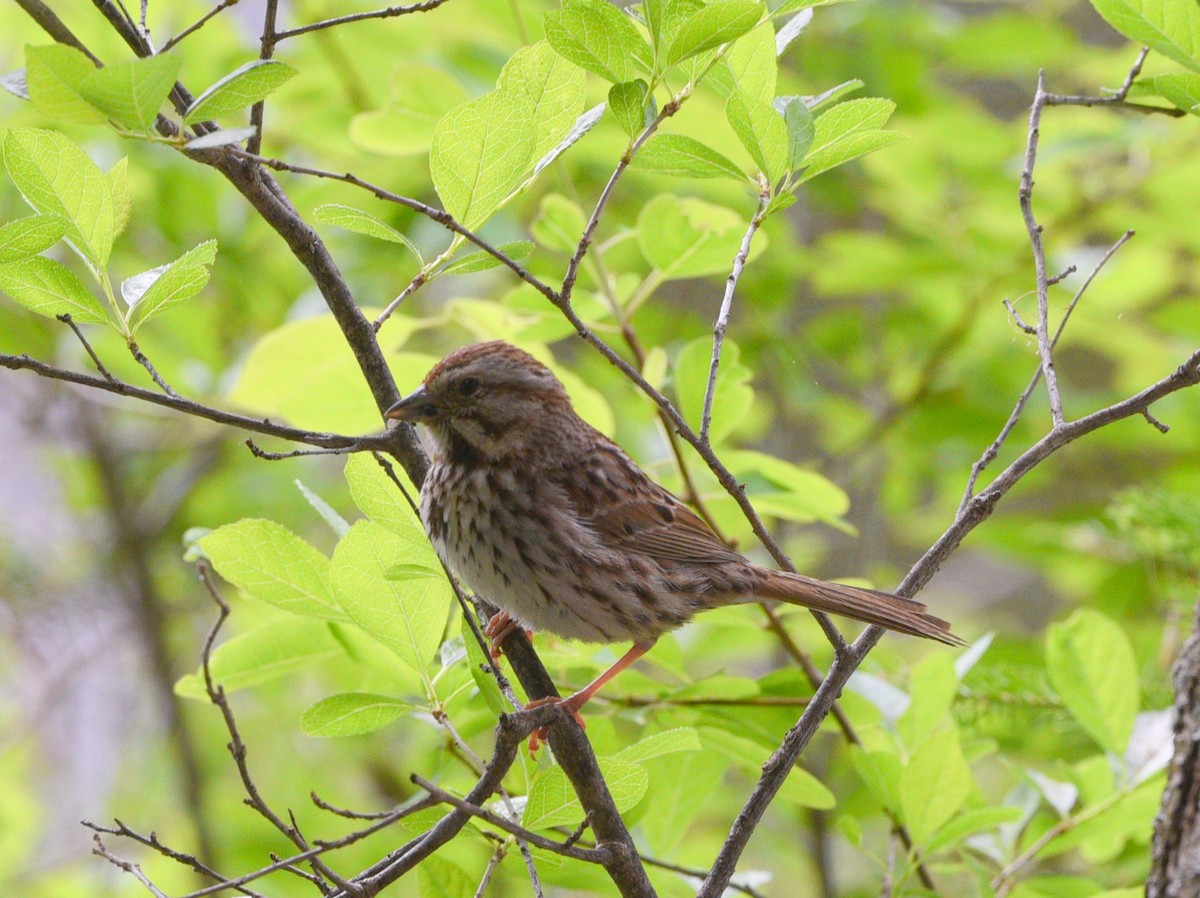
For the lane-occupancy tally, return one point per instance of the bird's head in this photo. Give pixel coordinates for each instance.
(486, 398)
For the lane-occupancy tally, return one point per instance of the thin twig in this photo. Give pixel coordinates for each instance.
(128, 866)
(1025, 194)
(722, 325)
(141, 359)
(415, 284)
(69, 322)
(258, 452)
(993, 450)
(590, 855)
(266, 49)
(441, 217)
(198, 24)
(493, 862)
(388, 13)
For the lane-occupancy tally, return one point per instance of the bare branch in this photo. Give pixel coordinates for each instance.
(722, 325)
(388, 13)
(129, 867)
(198, 24)
(141, 359)
(266, 50)
(189, 407)
(590, 855)
(69, 322)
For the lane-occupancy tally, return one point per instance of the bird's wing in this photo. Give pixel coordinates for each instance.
(631, 513)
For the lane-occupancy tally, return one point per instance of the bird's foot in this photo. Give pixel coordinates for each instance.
(498, 630)
(542, 734)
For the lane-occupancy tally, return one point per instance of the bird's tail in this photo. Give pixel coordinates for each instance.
(867, 605)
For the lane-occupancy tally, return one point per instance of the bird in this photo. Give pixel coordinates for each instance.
(563, 532)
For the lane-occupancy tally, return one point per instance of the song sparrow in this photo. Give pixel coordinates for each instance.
(550, 520)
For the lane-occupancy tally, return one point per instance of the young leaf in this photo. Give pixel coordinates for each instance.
(799, 123)
(559, 224)
(932, 685)
(751, 65)
(175, 283)
(762, 132)
(379, 499)
(407, 616)
(1091, 666)
(482, 261)
(58, 178)
(339, 525)
(222, 137)
(1170, 27)
(351, 714)
(54, 75)
(691, 238)
(480, 152)
(582, 126)
(933, 785)
(265, 653)
(680, 739)
(29, 236)
(132, 91)
(685, 157)
(405, 126)
(826, 98)
(596, 36)
(117, 178)
(717, 23)
(552, 88)
(627, 103)
(552, 801)
(1180, 88)
(240, 89)
(363, 223)
(847, 131)
(47, 288)
(271, 563)
(791, 30)
(14, 82)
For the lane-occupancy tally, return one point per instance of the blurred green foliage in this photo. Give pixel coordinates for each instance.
(869, 365)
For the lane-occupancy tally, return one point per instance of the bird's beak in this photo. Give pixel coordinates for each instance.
(417, 406)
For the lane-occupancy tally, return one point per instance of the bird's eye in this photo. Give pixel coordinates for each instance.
(468, 386)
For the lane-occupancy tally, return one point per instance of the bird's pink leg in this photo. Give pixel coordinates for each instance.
(584, 695)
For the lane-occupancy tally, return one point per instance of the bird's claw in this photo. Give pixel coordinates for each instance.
(542, 734)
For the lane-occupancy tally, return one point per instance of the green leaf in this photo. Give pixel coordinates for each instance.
(361, 222)
(240, 89)
(733, 396)
(968, 823)
(1180, 88)
(54, 75)
(762, 132)
(405, 126)
(439, 878)
(484, 681)
(659, 744)
(933, 785)
(675, 798)
(481, 150)
(559, 224)
(847, 131)
(132, 91)
(717, 23)
(552, 801)
(351, 714)
(596, 36)
(269, 562)
(800, 130)
(552, 88)
(1172, 27)
(47, 288)
(267, 652)
(482, 261)
(379, 499)
(800, 788)
(151, 293)
(881, 772)
(117, 178)
(1090, 663)
(686, 157)
(29, 236)
(751, 65)
(796, 5)
(407, 616)
(627, 103)
(932, 685)
(690, 238)
(58, 178)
